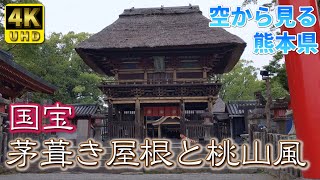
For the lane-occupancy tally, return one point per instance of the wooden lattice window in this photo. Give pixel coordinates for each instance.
(186, 75)
(159, 64)
(131, 76)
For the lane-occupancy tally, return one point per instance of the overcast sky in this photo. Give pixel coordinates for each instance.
(93, 15)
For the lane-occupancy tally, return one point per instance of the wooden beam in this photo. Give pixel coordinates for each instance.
(154, 100)
(7, 92)
(174, 51)
(15, 76)
(137, 121)
(12, 92)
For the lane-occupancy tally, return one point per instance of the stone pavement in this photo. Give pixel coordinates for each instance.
(128, 176)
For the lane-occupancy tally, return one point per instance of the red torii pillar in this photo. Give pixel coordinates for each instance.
(304, 83)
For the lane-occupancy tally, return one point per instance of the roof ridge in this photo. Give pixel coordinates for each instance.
(168, 7)
(84, 104)
(235, 101)
(161, 10)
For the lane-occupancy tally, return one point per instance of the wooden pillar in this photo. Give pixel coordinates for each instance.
(204, 73)
(210, 110)
(303, 79)
(110, 119)
(246, 122)
(137, 121)
(110, 111)
(145, 77)
(121, 115)
(159, 131)
(174, 76)
(231, 127)
(152, 131)
(143, 125)
(210, 105)
(116, 75)
(182, 119)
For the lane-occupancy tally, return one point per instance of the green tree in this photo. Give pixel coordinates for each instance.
(276, 66)
(241, 82)
(278, 70)
(57, 62)
(3, 3)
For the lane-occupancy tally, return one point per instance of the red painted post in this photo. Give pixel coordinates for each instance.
(304, 84)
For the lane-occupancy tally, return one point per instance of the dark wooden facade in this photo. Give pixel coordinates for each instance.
(157, 58)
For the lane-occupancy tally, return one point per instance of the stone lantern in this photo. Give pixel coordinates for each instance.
(207, 123)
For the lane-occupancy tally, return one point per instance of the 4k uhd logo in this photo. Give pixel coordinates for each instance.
(24, 23)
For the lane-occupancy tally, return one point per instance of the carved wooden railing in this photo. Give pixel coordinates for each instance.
(161, 90)
(161, 81)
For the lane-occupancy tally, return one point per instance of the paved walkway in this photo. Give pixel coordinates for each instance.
(98, 176)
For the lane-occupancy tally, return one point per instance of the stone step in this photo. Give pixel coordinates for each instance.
(158, 170)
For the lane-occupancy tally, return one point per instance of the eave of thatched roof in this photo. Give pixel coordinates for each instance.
(160, 28)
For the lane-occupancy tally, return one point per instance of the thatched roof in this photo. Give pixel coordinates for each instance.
(166, 27)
